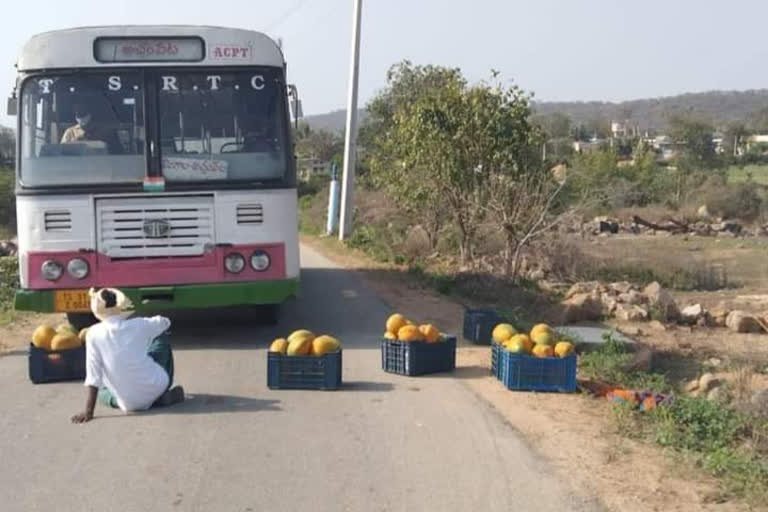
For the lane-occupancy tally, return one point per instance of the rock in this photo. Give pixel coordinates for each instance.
(703, 321)
(719, 394)
(714, 362)
(552, 286)
(582, 307)
(718, 316)
(633, 297)
(708, 382)
(662, 302)
(581, 288)
(609, 303)
(692, 386)
(691, 314)
(760, 401)
(657, 326)
(741, 321)
(728, 226)
(631, 330)
(630, 313)
(703, 212)
(620, 287)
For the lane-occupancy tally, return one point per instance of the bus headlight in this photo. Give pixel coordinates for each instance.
(234, 263)
(260, 261)
(78, 268)
(51, 270)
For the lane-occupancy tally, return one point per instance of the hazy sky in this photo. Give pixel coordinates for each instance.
(560, 49)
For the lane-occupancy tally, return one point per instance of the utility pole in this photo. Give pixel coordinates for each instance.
(350, 139)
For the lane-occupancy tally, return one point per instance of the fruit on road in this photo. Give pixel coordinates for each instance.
(299, 343)
(279, 345)
(430, 333)
(515, 346)
(43, 336)
(503, 332)
(542, 334)
(66, 329)
(324, 345)
(524, 340)
(396, 322)
(65, 341)
(543, 351)
(301, 333)
(563, 348)
(410, 333)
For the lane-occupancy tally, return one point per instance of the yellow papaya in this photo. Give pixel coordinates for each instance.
(279, 345)
(324, 345)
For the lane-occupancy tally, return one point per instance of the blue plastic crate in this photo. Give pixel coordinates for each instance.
(304, 372)
(479, 324)
(413, 358)
(56, 365)
(522, 372)
(496, 350)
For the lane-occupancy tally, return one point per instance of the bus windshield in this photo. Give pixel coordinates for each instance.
(90, 127)
(82, 129)
(222, 126)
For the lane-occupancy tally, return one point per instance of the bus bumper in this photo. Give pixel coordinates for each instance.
(161, 298)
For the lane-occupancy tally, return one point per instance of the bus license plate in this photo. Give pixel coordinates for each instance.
(71, 300)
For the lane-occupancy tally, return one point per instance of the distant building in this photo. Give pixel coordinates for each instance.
(755, 140)
(309, 167)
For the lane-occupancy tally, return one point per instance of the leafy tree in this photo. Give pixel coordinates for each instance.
(556, 125)
(7, 145)
(399, 169)
(734, 136)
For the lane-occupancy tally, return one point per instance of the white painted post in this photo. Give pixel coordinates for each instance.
(350, 142)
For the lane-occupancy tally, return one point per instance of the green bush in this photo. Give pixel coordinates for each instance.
(9, 281)
(7, 200)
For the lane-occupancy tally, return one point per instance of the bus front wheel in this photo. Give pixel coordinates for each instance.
(81, 320)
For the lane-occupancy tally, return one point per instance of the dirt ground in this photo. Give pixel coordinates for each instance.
(18, 333)
(574, 432)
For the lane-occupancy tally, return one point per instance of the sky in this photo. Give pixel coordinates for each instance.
(561, 50)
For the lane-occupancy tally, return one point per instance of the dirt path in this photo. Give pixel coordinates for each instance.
(575, 433)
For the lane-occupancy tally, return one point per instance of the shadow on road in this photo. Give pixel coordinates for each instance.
(202, 403)
(366, 386)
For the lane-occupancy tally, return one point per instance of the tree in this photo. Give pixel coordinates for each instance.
(693, 135)
(472, 151)
(734, 137)
(395, 167)
(7, 145)
(556, 125)
(319, 144)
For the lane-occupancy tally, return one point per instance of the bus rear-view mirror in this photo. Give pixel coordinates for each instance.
(298, 113)
(12, 109)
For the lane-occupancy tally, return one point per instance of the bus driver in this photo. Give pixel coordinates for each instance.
(85, 130)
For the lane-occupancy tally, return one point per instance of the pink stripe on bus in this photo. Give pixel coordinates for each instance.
(106, 271)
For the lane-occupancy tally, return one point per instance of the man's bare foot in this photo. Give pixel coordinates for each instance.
(170, 397)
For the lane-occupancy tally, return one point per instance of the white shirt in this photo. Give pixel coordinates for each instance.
(116, 358)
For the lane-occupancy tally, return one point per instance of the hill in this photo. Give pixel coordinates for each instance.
(720, 107)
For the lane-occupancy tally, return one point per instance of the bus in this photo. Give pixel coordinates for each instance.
(156, 159)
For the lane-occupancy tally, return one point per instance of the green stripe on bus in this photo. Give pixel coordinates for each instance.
(183, 296)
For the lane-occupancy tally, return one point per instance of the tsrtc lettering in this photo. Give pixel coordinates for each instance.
(169, 83)
(115, 84)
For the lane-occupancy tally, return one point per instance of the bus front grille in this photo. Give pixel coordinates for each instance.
(156, 227)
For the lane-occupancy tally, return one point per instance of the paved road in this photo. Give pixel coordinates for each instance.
(384, 442)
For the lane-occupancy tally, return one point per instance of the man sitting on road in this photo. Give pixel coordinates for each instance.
(128, 362)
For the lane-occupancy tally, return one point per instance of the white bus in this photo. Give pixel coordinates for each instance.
(156, 159)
